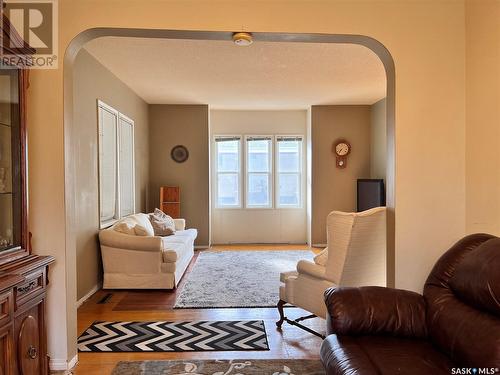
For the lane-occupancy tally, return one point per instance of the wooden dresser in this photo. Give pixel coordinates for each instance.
(23, 275)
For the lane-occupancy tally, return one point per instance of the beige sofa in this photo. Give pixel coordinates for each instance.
(145, 262)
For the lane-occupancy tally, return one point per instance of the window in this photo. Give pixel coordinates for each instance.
(266, 173)
(289, 174)
(116, 165)
(228, 170)
(259, 172)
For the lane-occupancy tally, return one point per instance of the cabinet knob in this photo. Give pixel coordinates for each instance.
(32, 352)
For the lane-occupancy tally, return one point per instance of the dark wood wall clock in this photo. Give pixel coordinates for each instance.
(341, 149)
(179, 154)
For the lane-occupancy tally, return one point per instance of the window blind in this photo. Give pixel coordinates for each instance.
(288, 138)
(126, 174)
(107, 163)
(259, 138)
(116, 165)
(226, 139)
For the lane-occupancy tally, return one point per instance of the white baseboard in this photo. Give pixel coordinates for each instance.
(82, 300)
(199, 247)
(62, 364)
(319, 245)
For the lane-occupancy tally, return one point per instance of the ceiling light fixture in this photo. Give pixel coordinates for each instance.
(242, 39)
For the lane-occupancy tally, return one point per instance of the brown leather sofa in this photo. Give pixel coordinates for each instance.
(454, 325)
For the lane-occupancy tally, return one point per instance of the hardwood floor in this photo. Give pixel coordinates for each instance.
(291, 342)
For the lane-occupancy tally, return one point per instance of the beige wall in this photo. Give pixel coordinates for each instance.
(378, 140)
(483, 116)
(334, 188)
(268, 225)
(187, 125)
(93, 81)
(430, 97)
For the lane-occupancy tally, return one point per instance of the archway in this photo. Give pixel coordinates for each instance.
(71, 159)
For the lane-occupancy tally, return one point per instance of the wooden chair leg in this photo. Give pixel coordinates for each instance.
(280, 306)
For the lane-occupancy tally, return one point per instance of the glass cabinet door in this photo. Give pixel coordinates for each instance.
(10, 161)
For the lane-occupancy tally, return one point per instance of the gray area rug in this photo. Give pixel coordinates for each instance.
(213, 367)
(237, 278)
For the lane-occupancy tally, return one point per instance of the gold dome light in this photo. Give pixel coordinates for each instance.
(242, 39)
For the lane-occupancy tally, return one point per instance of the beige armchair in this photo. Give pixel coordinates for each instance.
(356, 257)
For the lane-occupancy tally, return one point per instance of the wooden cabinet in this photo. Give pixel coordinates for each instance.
(23, 275)
(6, 350)
(170, 201)
(23, 339)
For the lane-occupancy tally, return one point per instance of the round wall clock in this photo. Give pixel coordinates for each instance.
(179, 154)
(341, 148)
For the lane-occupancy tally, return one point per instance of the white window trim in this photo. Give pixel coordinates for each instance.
(117, 216)
(274, 172)
(216, 173)
(300, 173)
(270, 174)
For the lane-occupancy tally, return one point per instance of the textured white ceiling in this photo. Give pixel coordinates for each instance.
(265, 75)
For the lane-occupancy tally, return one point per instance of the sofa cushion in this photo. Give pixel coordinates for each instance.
(374, 355)
(182, 236)
(176, 245)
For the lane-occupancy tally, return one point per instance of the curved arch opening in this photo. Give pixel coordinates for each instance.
(69, 123)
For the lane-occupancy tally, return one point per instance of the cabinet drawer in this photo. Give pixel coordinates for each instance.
(6, 308)
(34, 285)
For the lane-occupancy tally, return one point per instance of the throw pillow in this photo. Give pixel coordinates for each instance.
(322, 257)
(143, 226)
(125, 226)
(163, 225)
(142, 231)
(160, 214)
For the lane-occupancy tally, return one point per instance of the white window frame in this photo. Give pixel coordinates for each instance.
(300, 173)
(270, 173)
(239, 172)
(119, 116)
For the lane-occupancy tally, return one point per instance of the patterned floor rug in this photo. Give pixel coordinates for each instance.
(192, 336)
(237, 278)
(213, 367)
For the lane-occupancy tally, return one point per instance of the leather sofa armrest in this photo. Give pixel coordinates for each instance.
(180, 224)
(374, 310)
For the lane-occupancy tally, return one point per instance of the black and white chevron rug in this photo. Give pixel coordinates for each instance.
(194, 336)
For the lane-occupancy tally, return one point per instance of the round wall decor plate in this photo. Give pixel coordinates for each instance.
(179, 154)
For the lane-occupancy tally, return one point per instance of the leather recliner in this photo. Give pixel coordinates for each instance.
(453, 326)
